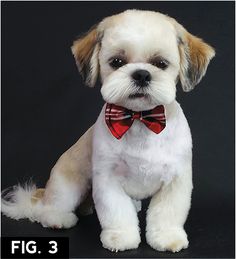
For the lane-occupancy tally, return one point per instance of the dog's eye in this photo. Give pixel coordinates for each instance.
(117, 62)
(160, 63)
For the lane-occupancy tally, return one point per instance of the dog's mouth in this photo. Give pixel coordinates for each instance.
(137, 95)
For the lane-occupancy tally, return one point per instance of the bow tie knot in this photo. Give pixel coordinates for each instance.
(137, 115)
(120, 119)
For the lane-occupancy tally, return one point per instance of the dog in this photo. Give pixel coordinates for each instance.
(140, 145)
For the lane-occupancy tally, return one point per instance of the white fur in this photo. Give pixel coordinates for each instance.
(140, 165)
(17, 204)
(147, 40)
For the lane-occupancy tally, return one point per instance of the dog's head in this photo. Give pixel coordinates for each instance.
(140, 55)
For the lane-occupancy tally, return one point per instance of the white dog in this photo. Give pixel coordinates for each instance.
(140, 145)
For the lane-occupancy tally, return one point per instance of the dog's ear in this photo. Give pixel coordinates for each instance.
(195, 56)
(85, 50)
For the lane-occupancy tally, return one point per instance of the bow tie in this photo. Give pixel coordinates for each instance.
(120, 119)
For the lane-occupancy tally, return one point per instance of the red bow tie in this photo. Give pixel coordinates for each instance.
(120, 119)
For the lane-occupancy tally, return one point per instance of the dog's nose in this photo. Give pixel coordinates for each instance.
(142, 77)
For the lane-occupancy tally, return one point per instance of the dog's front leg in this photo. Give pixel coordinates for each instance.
(167, 213)
(116, 212)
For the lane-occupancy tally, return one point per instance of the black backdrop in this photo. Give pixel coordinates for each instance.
(45, 108)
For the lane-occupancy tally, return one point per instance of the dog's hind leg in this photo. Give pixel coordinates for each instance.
(68, 185)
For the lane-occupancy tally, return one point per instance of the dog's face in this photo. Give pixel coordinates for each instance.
(139, 62)
(140, 55)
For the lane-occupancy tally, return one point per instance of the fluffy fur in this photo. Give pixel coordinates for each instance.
(142, 164)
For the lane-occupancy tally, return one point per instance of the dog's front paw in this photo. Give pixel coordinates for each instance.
(173, 239)
(120, 240)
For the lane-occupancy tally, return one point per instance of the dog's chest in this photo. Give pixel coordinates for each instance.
(139, 177)
(145, 162)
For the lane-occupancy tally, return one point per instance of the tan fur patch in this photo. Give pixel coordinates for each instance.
(82, 48)
(200, 52)
(38, 195)
(75, 163)
(74, 166)
(195, 56)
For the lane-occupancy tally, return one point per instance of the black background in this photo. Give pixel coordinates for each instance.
(46, 108)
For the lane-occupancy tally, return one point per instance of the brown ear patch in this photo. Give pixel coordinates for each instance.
(195, 56)
(83, 47)
(200, 54)
(82, 50)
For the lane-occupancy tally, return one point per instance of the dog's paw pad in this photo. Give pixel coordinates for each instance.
(118, 240)
(168, 240)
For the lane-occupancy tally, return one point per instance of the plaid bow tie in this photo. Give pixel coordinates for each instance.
(120, 119)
